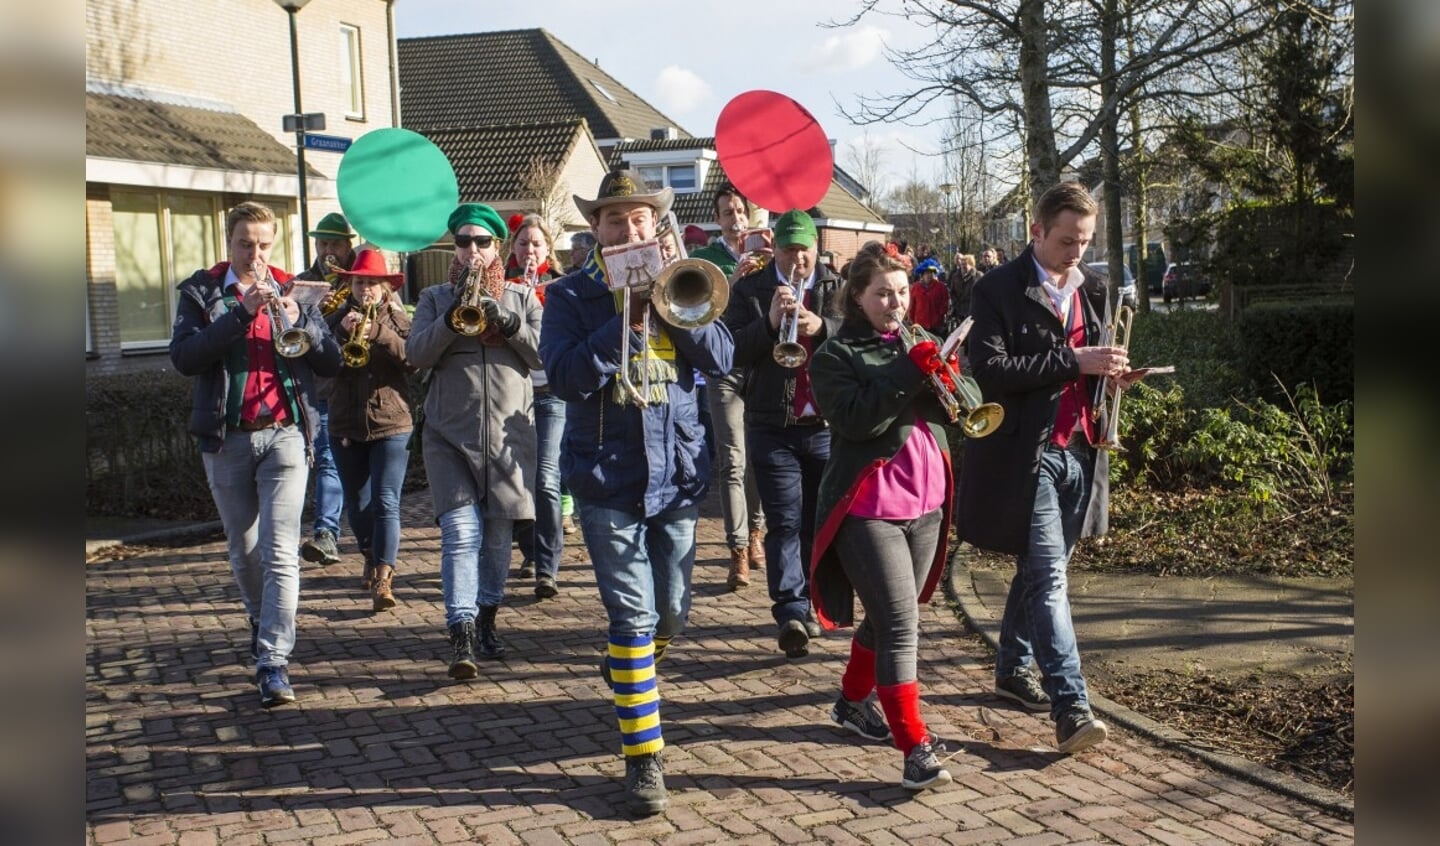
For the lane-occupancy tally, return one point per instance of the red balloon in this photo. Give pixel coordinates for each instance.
(774, 151)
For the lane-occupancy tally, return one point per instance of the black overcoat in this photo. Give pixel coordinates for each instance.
(1021, 359)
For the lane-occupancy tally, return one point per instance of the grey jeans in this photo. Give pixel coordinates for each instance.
(887, 562)
(739, 497)
(258, 482)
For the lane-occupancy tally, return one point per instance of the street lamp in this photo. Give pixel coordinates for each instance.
(948, 188)
(298, 123)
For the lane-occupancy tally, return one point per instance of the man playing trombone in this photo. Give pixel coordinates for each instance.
(254, 355)
(635, 461)
(1037, 484)
(778, 315)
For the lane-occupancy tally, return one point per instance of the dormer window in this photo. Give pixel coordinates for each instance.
(679, 177)
(601, 89)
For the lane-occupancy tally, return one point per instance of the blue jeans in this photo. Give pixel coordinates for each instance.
(541, 539)
(258, 482)
(1037, 612)
(788, 462)
(469, 578)
(642, 566)
(329, 495)
(373, 473)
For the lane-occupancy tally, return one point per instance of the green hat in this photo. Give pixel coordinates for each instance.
(333, 225)
(481, 215)
(794, 227)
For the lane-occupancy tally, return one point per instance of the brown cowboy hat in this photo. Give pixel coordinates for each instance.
(371, 264)
(625, 186)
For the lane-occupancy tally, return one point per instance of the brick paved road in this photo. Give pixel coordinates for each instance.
(383, 747)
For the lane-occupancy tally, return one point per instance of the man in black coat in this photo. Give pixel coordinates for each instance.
(1036, 485)
(787, 441)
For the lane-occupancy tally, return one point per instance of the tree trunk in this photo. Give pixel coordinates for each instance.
(1114, 234)
(1142, 178)
(1042, 157)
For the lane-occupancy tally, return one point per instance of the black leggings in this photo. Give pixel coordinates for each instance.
(888, 562)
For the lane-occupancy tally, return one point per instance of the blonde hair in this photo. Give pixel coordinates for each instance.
(249, 212)
(539, 223)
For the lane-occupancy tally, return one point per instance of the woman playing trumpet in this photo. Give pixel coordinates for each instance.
(479, 433)
(883, 507)
(370, 421)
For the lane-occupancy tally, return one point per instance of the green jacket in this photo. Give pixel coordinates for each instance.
(716, 254)
(870, 393)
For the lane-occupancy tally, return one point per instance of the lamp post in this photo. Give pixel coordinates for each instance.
(292, 7)
(948, 189)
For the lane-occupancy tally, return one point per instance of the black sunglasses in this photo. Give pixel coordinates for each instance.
(481, 241)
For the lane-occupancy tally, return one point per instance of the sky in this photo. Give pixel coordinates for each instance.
(689, 59)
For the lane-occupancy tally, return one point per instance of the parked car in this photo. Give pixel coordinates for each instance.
(1184, 280)
(1127, 288)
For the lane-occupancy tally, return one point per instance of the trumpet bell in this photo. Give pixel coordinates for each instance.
(468, 320)
(983, 420)
(690, 293)
(355, 355)
(789, 354)
(292, 343)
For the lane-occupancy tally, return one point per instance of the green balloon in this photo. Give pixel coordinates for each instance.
(397, 189)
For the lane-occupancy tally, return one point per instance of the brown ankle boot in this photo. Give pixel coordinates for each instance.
(739, 568)
(382, 597)
(367, 581)
(757, 549)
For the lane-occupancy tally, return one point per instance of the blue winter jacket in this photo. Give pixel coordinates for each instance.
(618, 455)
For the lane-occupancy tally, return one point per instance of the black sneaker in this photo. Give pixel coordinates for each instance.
(321, 549)
(922, 766)
(645, 793)
(863, 718)
(274, 684)
(1025, 689)
(545, 587)
(527, 570)
(794, 639)
(1077, 730)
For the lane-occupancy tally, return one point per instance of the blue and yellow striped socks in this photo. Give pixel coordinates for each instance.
(637, 699)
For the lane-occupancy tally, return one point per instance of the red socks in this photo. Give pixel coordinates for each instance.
(859, 677)
(901, 703)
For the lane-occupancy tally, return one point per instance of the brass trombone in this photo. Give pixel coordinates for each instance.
(789, 352)
(290, 340)
(687, 294)
(356, 351)
(958, 394)
(1116, 334)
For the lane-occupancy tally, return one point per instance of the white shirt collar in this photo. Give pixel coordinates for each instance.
(804, 285)
(1060, 295)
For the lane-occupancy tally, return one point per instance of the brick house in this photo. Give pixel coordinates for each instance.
(180, 127)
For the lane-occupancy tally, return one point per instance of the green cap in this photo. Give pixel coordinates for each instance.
(794, 227)
(481, 215)
(333, 225)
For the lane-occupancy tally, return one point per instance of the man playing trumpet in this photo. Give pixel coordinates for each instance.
(254, 415)
(787, 441)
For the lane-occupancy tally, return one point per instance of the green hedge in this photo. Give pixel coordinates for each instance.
(1300, 344)
(140, 461)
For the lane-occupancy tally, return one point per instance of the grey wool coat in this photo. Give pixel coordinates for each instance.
(479, 434)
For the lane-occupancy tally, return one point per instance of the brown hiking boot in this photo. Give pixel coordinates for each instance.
(739, 568)
(757, 549)
(383, 598)
(367, 581)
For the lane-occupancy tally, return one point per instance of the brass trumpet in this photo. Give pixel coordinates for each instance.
(958, 394)
(339, 293)
(290, 340)
(1116, 334)
(356, 351)
(469, 315)
(789, 352)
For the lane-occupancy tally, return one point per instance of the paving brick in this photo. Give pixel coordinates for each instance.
(383, 747)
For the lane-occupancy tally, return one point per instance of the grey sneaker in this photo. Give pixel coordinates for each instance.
(1024, 689)
(645, 793)
(321, 549)
(1077, 730)
(922, 766)
(863, 718)
(274, 684)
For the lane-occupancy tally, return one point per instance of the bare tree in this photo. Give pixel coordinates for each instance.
(545, 183)
(864, 158)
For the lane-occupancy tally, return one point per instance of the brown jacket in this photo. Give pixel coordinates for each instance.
(372, 402)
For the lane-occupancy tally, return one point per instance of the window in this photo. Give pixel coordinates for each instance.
(679, 177)
(601, 89)
(160, 239)
(352, 80)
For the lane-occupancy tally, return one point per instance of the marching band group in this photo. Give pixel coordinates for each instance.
(833, 415)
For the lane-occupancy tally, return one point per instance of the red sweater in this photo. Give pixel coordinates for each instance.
(929, 303)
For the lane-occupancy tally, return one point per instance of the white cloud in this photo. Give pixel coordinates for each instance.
(680, 90)
(849, 51)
